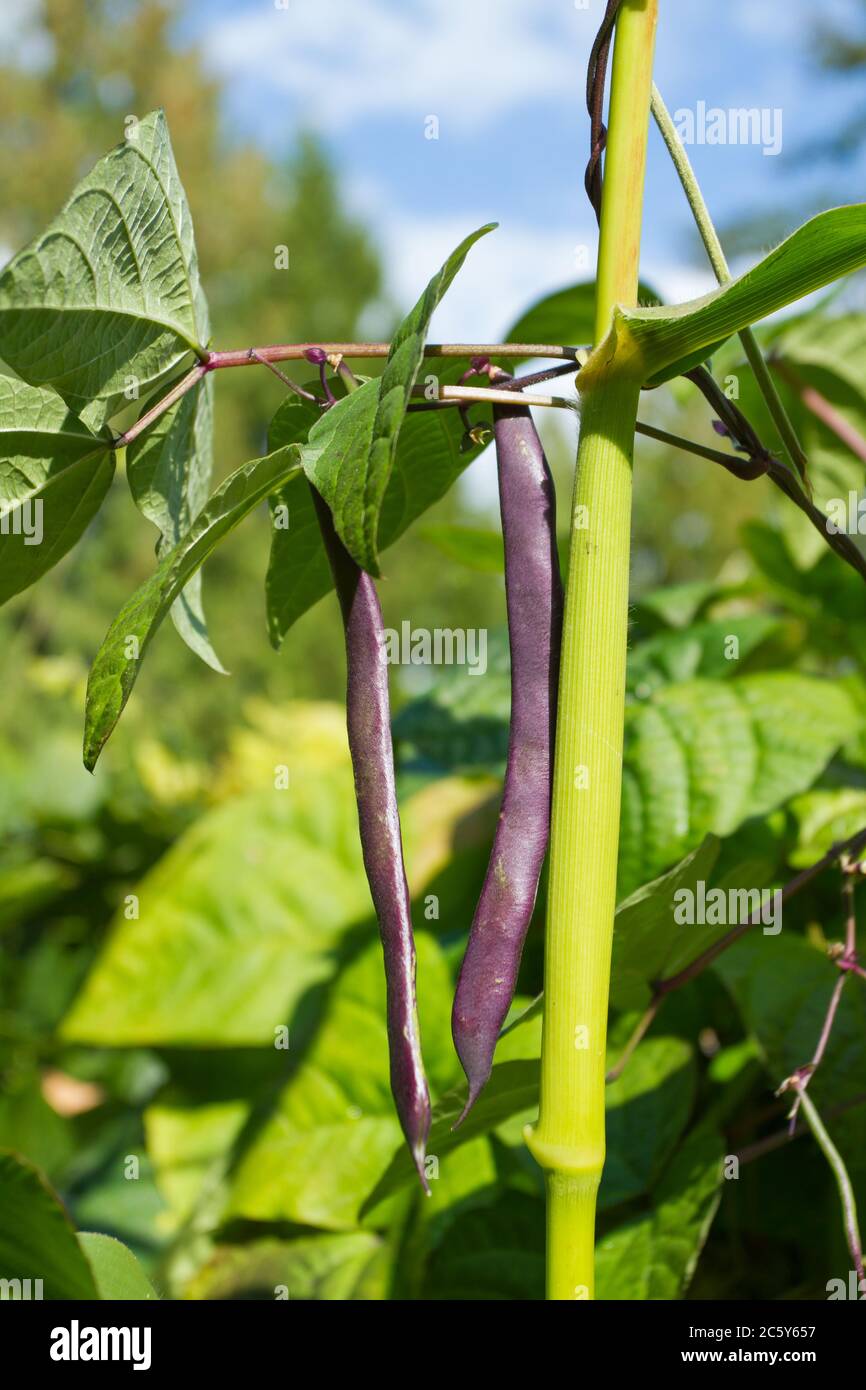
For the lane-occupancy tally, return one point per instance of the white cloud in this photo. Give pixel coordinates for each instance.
(345, 60)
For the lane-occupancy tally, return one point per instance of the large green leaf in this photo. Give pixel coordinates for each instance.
(492, 1254)
(54, 474)
(701, 756)
(39, 437)
(782, 987)
(117, 663)
(37, 1240)
(429, 460)
(704, 756)
(108, 296)
(654, 1256)
(118, 1275)
(652, 345)
(652, 941)
(168, 469)
(190, 1142)
(334, 1128)
(712, 649)
(564, 318)
(351, 450)
(235, 923)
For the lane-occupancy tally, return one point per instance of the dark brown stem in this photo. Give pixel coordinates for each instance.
(744, 436)
(744, 469)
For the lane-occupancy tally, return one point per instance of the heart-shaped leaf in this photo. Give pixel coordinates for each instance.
(108, 297)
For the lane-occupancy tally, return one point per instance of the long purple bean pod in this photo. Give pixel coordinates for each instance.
(368, 715)
(534, 602)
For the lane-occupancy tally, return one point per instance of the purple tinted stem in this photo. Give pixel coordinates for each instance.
(488, 976)
(368, 714)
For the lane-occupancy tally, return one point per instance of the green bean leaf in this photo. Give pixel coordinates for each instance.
(168, 469)
(115, 669)
(108, 299)
(653, 345)
(54, 474)
(352, 449)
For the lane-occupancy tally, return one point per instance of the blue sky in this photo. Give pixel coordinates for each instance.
(505, 80)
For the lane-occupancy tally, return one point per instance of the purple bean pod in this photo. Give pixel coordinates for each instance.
(534, 599)
(368, 716)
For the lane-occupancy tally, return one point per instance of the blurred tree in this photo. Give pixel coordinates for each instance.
(843, 50)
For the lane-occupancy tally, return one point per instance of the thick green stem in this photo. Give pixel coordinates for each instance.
(718, 261)
(568, 1140)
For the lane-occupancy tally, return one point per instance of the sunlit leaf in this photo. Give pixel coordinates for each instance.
(351, 450)
(108, 297)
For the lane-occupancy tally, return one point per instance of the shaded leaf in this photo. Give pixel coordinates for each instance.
(117, 663)
(334, 1127)
(168, 469)
(340, 1268)
(37, 1240)
(54, 474)
(654, 1256)
(492, 1254)
(782, 986)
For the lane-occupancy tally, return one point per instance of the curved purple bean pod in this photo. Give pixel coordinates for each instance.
(534, 599)
(368, 715)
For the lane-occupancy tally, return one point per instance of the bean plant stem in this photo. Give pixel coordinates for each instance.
(286, 352)
(840, 1173)
(719, 262)
(291, 352)
(568, 1140)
